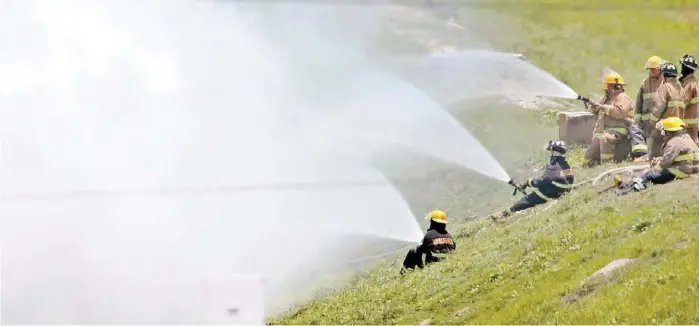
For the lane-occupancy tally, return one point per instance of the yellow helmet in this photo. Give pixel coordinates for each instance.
(654, 62)
(672, 124)
(438, 216)
(613, 78)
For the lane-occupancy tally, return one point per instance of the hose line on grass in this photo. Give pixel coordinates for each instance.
(597, 179)
(634, 168)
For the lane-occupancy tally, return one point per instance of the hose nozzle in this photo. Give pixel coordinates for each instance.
(517, 187)
(585, 100)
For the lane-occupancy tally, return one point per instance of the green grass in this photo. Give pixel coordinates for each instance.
(575, 40)
(519, 271)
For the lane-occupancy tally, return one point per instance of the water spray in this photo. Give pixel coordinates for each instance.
(192, 190)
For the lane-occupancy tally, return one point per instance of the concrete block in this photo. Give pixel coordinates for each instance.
(576, 127)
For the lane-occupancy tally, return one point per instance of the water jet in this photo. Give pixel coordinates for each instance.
(240, 106)
(471, 74)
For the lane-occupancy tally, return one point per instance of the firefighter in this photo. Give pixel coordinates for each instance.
(646, 94)
(668, 102)
(556, 180)
(610, 139)
(691, 92)
(680, 158)
(436, 241)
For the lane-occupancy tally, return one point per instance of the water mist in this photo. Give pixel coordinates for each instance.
(133, 95)
(474, 73)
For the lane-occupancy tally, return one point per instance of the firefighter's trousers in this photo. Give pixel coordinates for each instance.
(528, 201)
(413, 259)
(654, 177)
(647, 127)
(693, 131)
(606, 147)
(655, 144)
(637, 141)
(691, 118)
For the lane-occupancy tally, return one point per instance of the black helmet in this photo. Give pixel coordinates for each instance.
(557, 146)
(669, 69)
(689, 61)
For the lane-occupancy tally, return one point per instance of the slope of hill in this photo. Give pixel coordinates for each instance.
(535, 268)
(531, 268)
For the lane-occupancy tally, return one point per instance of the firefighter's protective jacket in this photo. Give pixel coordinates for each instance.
(680, 156)
(669, 101)
(614, 114)
(436, 241)
(691, 92)
(645, 97)
(556, 180)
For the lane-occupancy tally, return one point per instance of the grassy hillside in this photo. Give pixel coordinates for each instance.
(531, 268)
(520, 271)
(576, 39)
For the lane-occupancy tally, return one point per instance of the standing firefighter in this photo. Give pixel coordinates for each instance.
(691, 92)
(556, 180)
(436, 241)
(610, 139)
(646, 94)
(668, 102)
(680, 158)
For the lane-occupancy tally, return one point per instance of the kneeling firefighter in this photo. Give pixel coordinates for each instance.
(436, 241)
(680, 157)
(556, 180)
(610, 141)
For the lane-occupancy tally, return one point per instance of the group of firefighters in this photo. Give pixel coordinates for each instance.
(665, 125)
(665, 93)
(662, 128)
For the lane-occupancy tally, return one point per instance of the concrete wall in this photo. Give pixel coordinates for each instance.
(576, 127)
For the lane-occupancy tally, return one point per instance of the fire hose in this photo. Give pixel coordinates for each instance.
(633, 168)
(593, 181)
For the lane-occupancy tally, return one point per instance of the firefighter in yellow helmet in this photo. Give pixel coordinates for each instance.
(668, 102)
(610, 139)
(436, 241)
(691, 92)
(646, 94)
(680, 157)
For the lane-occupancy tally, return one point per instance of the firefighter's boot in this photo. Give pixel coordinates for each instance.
(626, 187)
(501, 216)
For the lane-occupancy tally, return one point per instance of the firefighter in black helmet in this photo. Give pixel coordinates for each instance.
(556, 180)
(690, 85)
